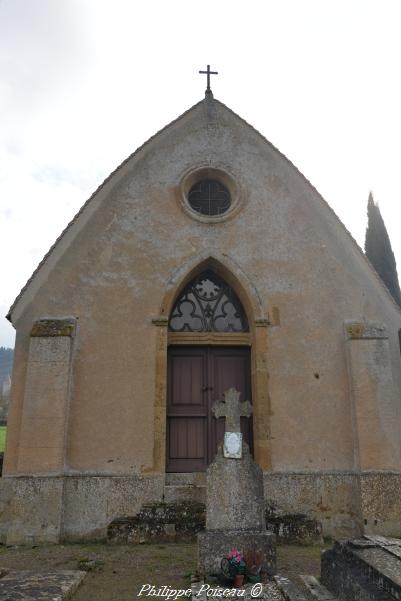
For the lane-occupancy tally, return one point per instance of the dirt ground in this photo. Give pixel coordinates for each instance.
(120, 571)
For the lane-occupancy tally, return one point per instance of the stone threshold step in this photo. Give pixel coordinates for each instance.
(182, 479)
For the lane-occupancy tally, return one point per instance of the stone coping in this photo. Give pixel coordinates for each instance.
(266, 474)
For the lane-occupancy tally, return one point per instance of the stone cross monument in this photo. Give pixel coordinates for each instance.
(232, 409)
(235, 508)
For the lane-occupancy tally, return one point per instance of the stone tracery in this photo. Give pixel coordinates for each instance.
(208, 304)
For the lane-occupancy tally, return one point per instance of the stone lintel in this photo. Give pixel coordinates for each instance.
(48, 328)
(365, 330)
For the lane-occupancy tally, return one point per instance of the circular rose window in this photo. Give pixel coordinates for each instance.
(209, 197)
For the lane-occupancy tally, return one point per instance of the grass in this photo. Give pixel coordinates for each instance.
(121, 570)
(3, 431)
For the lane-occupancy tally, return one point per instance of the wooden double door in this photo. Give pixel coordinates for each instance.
(197, 377)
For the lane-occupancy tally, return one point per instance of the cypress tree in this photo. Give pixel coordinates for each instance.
(378, 250)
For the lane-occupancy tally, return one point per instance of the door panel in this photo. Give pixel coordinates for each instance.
(186, 439)
(197, 376)
(187, 410)
(187, 384)
(230, 368)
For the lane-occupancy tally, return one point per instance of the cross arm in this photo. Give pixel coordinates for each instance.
(218, 409)
(246, 409)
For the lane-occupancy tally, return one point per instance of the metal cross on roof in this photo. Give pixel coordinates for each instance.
(232, 409)
(208, 72)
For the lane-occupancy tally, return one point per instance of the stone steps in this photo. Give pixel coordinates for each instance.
(288, 528)
(294, 528)
(159, 522)
(174, 494)
(185, 487)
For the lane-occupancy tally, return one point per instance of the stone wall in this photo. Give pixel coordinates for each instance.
(333, 499)
(381, 503)
(50, 509)
(92, 502)
(301, 507)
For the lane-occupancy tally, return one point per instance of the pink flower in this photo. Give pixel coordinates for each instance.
(235, 555)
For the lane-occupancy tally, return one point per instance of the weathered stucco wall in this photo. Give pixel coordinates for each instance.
(132, 247)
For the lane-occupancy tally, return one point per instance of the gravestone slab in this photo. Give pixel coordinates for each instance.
(368, 568)
(24, 585)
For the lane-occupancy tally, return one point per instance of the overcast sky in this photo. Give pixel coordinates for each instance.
(85, 82)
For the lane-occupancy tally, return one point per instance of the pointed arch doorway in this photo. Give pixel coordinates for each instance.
(209, 351)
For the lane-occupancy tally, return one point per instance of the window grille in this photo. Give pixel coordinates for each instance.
(209, 197)
(208, 304)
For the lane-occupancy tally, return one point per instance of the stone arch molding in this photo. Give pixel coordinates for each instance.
(228, 270)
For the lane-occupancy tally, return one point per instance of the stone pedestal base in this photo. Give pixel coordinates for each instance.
(214, 544)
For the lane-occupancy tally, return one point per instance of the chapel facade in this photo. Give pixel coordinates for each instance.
(205, 261)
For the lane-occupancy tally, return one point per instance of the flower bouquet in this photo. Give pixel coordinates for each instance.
(233, 566)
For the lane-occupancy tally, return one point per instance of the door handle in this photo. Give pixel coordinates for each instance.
(206, 388)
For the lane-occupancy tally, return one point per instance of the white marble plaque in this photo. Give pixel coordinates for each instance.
(232, 445)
